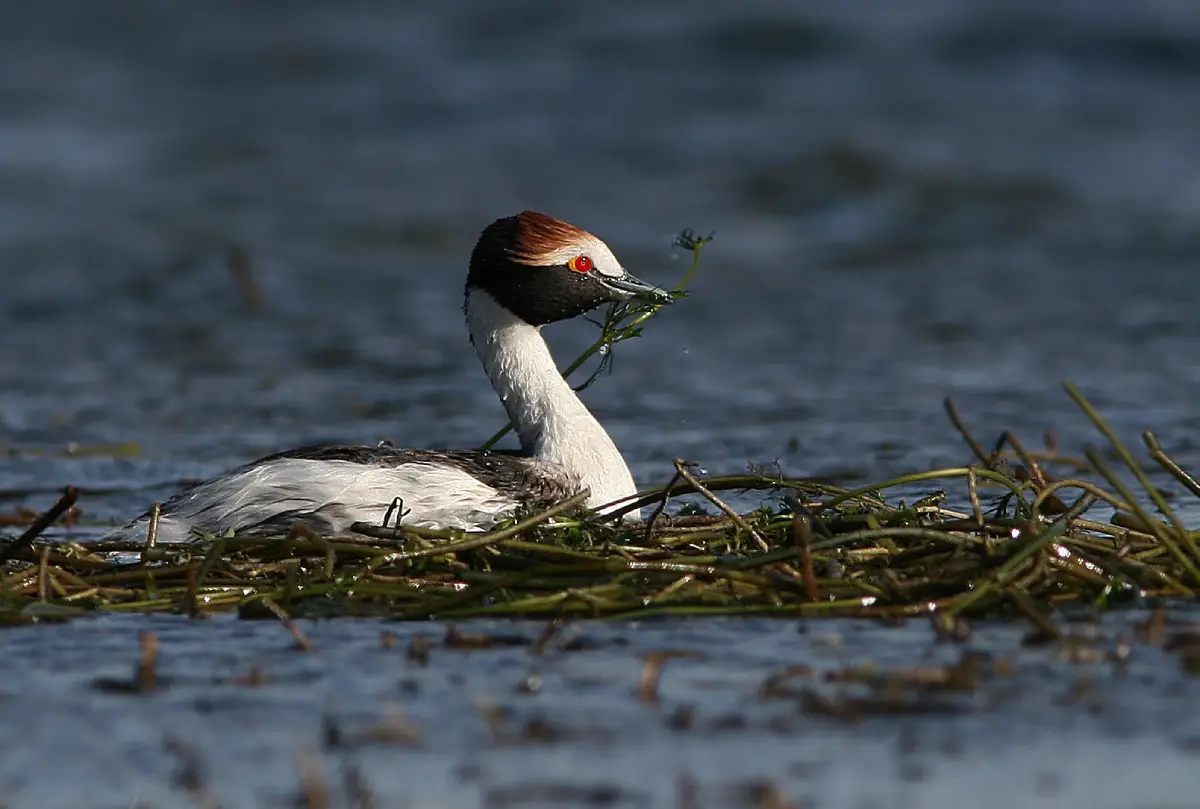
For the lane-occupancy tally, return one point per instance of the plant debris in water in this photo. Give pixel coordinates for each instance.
(811, 550)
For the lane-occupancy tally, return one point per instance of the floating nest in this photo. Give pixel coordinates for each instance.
(1023, 543)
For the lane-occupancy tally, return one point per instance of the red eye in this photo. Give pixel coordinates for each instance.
(580, 264)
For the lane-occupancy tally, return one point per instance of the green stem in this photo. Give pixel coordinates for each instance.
(1150, 489)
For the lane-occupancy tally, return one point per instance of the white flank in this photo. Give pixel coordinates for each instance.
(337, 493)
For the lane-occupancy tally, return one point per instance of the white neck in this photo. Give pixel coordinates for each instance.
(552, 422)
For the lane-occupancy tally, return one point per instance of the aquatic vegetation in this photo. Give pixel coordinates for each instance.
(1022, 543)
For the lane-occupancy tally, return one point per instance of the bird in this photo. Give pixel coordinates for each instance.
(526, 271)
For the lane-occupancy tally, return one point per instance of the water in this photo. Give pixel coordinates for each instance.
(1043, 728)
(973, 199)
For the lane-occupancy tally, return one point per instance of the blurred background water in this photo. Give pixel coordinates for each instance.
(911, 201)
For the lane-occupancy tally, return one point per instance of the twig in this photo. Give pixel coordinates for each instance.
(551, 629)
(658, 510)
(682, 471)
(1166, 462)
(191, 605)
(302, 641)
(152, 527)
(146, 678)
(803, 537)
(44, 576)
(959, 425)
(1035, 471)
(973, 496)
(652, 668)
(69, 496)
(210, 559)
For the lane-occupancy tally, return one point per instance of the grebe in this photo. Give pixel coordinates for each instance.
(526, 271)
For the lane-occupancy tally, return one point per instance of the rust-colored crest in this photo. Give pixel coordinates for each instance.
(539, 236)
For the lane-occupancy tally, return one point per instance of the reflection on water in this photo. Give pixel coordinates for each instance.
(839, 713)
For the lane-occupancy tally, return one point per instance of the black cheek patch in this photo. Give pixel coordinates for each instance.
(541, 295)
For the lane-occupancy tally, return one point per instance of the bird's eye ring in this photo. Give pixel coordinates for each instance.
(580, 264)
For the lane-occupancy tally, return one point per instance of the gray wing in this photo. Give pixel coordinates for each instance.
(513, 472)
